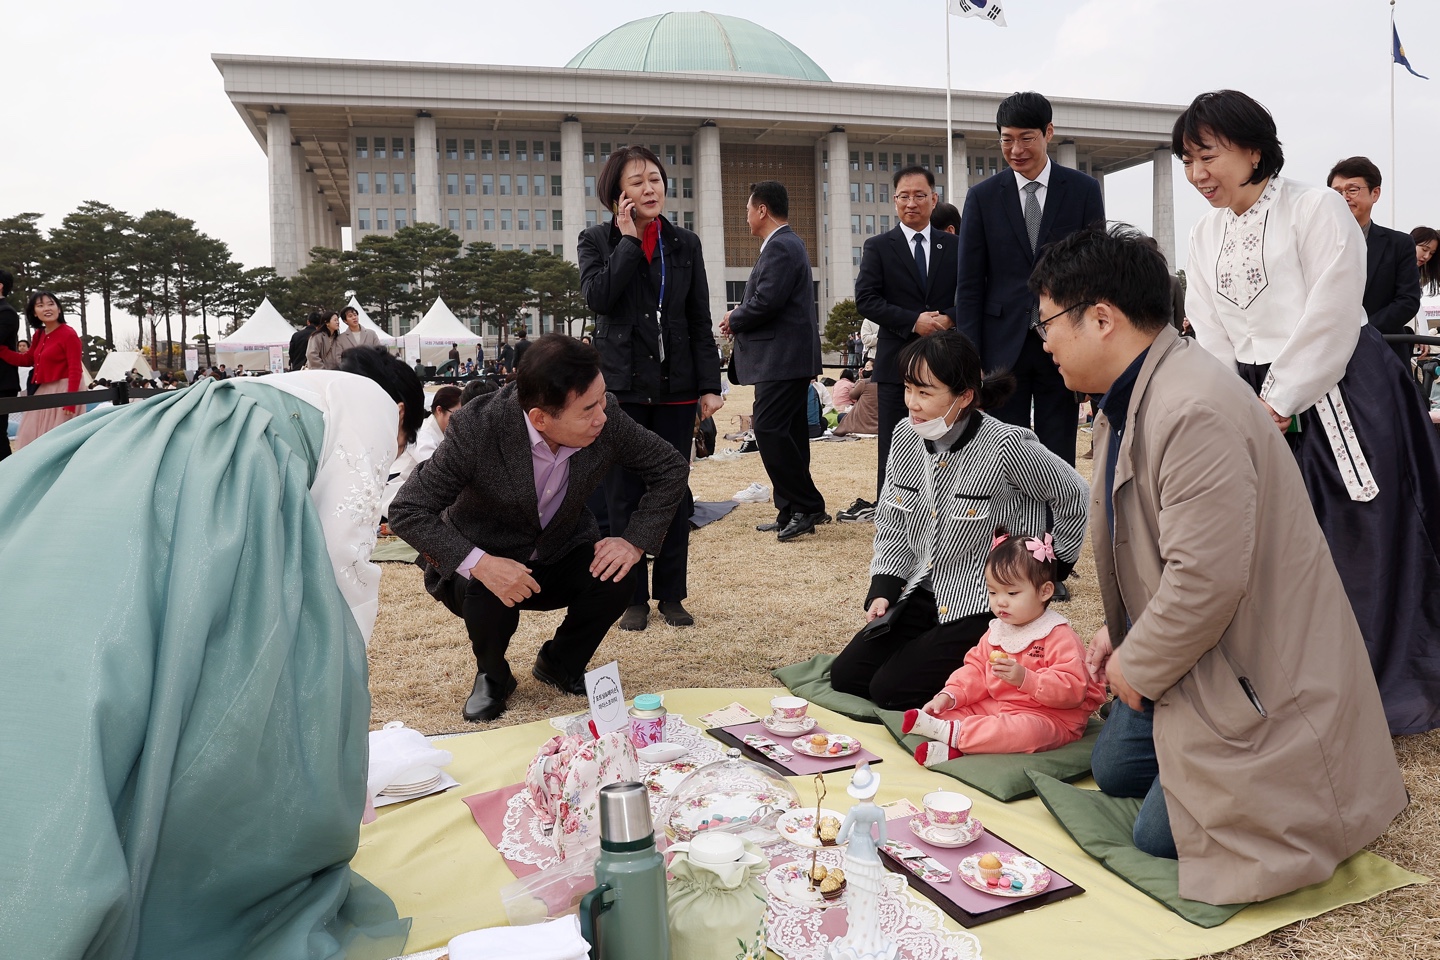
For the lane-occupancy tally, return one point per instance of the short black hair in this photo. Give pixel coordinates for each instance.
(7, 283)
(953, 360)
(912, 171)
(555, 367)
(394, 377)
(1235, 117)
(478, 387)
(1026, 110)
(1352, 167)
(945, 215)
(608, 188)
(349, 309)
(316, 318)
(774, 196)
(34, 299)
(1119, 265)
(446, 398)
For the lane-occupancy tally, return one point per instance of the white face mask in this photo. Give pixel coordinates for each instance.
(933, 430)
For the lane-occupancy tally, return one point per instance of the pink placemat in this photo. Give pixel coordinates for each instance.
(800, 765)
(957, 892)
(489, 810)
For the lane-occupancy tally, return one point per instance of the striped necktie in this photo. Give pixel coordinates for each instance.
(1032, 214)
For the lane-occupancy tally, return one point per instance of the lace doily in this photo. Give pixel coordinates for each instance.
(915, 924)
(525, 840)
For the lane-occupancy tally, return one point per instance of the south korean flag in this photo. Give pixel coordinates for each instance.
(989, 9)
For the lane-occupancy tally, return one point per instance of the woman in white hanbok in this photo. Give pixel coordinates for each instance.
(1275, 281)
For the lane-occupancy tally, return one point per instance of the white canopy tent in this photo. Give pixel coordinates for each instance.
(367, 324)
(430, 339)
(119, 363)
(249, 346)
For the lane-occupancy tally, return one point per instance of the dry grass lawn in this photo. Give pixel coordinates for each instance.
(759, 604)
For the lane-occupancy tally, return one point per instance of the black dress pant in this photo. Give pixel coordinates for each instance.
(593, 606)
(623, 490)
(890, 405)
(903, 669)
(782, 432)
(4, 424)
(1057, 412)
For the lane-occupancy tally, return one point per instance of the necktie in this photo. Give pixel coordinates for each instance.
(920, 260)
(1032, 214)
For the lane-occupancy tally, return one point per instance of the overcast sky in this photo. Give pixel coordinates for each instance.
(120, 103)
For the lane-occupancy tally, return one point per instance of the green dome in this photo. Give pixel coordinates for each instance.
(697, 43)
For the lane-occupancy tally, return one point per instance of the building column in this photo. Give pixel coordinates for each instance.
(1065, 156)
(284, 239)
(309, 222)
(1163, 208)
(841, 271)
(960, 176)
(572, 186)
(710, 216)
(1099, 178)
(427, 170)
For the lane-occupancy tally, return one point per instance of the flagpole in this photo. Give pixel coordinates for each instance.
(949, 123)
(1392, 115)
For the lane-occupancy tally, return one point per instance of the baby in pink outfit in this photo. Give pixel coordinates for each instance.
(1023, 687)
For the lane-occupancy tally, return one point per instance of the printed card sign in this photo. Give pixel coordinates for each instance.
(607, 699)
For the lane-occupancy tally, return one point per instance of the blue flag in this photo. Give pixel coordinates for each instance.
(1398, 55)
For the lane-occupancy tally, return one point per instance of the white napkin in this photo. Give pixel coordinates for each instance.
(396, 750)
(557, 939)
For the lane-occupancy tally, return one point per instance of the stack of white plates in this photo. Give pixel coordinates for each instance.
(413, 783)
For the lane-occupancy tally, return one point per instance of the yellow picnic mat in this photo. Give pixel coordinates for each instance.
(437, 866)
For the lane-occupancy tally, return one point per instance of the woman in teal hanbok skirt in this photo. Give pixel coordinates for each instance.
(183, 685)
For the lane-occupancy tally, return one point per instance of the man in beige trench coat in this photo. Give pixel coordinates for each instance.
(1270, 761)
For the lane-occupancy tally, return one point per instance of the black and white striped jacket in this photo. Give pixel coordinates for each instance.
(996, 475)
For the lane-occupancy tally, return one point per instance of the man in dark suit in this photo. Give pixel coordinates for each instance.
(9, 338)
(498, 516)
(1002, 233)
(907, 287)
(1392, 279)
(777, 348)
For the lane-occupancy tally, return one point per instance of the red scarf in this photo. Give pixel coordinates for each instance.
(651, 239)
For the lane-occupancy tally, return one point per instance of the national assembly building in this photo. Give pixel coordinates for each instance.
(510, 155)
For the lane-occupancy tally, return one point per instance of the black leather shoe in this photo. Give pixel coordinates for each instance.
(487, 699)
(635, 617)
(801, 524)
(545, 673)
(675, 614)
(779, 523)
(1062, 593)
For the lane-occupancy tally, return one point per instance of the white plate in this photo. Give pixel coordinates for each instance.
(1033, 875)
(969, 832)
(847, 744)
(798, 826)
(788, 729)
(790, 882)
(665, 778)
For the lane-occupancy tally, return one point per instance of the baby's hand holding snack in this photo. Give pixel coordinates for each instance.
(1007, 669)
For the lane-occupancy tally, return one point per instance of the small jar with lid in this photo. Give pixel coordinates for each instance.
(647, 720)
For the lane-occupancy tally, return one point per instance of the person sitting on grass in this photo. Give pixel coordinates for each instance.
(1024, 687)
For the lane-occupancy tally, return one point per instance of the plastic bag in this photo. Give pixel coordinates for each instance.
(395, 750)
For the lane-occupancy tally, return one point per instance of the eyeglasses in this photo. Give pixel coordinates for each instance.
(1040, 326)
(907, 197)
(1026, 139)
(1351, 191)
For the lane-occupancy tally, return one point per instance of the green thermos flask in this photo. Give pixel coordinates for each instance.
(624, 917)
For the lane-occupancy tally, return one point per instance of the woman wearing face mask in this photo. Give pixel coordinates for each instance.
(645, 280)
(954, 474)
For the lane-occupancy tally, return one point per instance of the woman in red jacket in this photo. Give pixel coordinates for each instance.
(55, 354)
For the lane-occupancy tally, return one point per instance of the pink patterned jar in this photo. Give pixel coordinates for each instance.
(647, 721)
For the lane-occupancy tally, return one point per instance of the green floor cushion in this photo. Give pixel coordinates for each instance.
(811, 680)
(1003, 775)
(1104, 827)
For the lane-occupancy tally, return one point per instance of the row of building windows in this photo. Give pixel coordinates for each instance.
(459, 148)
(477, 219)
(669, 155)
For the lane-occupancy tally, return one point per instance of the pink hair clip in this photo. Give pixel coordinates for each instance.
(1041, 550)
(998, 540)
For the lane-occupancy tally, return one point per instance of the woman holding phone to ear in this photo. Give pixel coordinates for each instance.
(645, 280)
